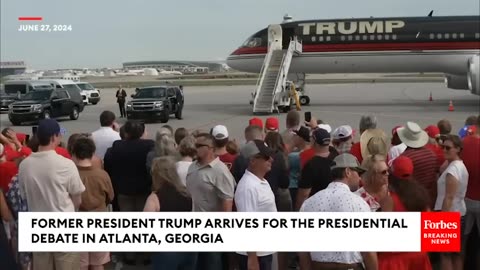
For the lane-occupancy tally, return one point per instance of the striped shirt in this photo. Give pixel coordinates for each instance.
(425, 169)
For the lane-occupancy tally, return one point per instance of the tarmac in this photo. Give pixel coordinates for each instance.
(336, 104)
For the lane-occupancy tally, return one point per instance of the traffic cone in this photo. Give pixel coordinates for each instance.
(430, 98)
(450, 106)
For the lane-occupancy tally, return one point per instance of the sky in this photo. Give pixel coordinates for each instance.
(107, 33)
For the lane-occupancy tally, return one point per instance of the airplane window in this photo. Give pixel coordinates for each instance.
(379, 37)
(462, 35)
(446, 36)
(357, 37)
(364, 37)
(439, 36)
(432, 36)
(454, 35)
(477, 35)
(342, 38)
(372, 37)
(328, 38)
(314, 38)
(394, 37)
(350, 38)
(320, 38)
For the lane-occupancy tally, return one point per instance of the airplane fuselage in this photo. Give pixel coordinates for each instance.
(372, 45)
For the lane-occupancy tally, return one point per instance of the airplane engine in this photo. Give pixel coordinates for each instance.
(473, 74)
(456, 82)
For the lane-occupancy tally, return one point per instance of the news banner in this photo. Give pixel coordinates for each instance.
(230, 232)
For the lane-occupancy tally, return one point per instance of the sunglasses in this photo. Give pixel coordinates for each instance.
(384, 172)
(198, 145)
(446, 147)
(261, 156)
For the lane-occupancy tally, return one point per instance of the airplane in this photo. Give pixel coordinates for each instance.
(447, 44)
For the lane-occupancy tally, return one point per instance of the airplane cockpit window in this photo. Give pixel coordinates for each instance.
(253, 42)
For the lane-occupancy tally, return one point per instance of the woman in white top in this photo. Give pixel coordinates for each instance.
(451, 189)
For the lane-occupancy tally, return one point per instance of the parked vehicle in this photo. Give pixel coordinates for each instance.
(91, 94)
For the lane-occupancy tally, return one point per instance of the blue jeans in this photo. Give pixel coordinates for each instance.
(264, 262)
(174, 260)
(209, 261)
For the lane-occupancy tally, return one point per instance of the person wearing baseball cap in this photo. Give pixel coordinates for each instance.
(315, 175)
(301, 142)
(433, 143)
(255, 121)
(253, 194)
(343, 139)
(220, 133)
(397, 148)
(424, 160)
(338, 197)
(402, 168)
(13, 143)
(45, 175)
(271, 125)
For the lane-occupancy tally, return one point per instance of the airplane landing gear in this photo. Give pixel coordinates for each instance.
(304, 100)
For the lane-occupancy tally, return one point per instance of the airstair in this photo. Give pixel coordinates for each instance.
(271, 89)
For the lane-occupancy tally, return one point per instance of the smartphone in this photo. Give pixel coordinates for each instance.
(34, 130)
(308, 116)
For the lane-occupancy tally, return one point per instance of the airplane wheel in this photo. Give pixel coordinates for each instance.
(304, 100)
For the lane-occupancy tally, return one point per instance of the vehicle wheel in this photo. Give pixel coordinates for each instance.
(46, 114)
(165, 117)
(74, 114)
(16, 122)
(304, 100)
(178, 114)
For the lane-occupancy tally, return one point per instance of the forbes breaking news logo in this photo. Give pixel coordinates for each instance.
(441, 232)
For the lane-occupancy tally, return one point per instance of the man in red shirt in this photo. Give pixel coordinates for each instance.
(8, 169)
(13, 143)
(220, 133)
(434, 134)
(424, 160)
(471, 159)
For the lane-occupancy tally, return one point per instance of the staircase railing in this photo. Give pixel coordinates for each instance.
(263, 73)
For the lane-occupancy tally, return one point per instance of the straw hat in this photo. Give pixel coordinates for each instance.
(412, 135)
(373, 142)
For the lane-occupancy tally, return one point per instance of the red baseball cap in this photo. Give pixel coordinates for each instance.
(402, 167)
(272, 124)
(432, 131)
(255, 121)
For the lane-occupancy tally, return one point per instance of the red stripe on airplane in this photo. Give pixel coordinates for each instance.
(373, 47)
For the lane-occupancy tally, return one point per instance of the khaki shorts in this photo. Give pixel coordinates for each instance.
(56, 261)
(94, 258)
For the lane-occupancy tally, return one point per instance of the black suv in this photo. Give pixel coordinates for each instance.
(156, 103)
(49, 103)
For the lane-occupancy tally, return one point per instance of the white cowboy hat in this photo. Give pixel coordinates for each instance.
(412, 135)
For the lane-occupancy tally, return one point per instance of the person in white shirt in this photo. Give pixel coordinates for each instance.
(51, 183)
(106, 134)
(451, 190)
(339, 197)
(254, 194)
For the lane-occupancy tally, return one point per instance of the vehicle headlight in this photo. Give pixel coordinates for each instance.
(129, 105)
(36, 107)
(158, 104)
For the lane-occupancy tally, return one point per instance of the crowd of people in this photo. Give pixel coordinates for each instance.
(308, 167)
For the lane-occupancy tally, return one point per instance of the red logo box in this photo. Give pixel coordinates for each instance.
(441, 232)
